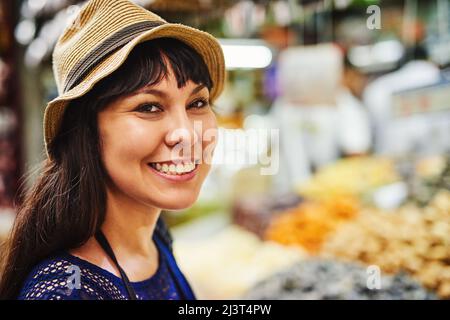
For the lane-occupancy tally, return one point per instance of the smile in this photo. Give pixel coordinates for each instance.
(182, 171)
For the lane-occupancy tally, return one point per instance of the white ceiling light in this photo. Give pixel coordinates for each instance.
(246, 53)
(25, 31)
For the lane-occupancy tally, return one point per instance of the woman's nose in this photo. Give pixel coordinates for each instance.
(183, 132)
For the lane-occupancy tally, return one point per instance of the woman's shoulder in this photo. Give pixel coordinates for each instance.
(66, 277)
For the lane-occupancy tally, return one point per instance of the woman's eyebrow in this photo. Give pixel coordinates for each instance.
(196, 90)
(163, 94)
(154, 92)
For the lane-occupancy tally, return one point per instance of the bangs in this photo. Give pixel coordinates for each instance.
(147, 65)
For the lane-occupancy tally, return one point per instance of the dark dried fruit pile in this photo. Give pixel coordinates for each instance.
(328, 279)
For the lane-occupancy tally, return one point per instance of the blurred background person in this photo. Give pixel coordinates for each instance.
(318, 116)
(414, 71)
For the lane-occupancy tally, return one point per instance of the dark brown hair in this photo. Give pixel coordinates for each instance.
(66, 205)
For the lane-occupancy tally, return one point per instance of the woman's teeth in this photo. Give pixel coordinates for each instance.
(174, 169)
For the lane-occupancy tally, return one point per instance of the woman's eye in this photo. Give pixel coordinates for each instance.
(149, 108)
(199, 104)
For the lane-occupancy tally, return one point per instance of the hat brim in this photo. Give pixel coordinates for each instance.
(205, 44)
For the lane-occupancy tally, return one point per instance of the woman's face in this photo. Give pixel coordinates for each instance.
(157, 143)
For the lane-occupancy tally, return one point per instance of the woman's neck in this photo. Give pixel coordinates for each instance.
(129, 227)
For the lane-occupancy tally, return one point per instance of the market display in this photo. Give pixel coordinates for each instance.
(256, 213)
(338, 220)
(416, 240)
(326, 279)
(235, 259)
(310, 223)
(356, 177)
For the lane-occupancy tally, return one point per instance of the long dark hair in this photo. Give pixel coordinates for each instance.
(66, 205)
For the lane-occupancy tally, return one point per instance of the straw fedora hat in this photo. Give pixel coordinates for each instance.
(100, 39)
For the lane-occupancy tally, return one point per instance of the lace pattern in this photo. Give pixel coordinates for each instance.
(50, 279)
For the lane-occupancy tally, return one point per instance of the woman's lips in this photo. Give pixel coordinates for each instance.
(175, 177)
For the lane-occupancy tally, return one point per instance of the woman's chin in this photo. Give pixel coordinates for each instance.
(178, 207)
(178, 203)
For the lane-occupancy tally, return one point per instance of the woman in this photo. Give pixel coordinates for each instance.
(131, 133)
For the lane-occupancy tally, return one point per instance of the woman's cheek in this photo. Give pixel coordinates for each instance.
(209, 138)
(130, 139)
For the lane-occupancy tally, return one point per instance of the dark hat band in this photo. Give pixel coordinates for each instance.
(105, 48)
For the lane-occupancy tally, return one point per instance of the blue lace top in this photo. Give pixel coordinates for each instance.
(52, 279)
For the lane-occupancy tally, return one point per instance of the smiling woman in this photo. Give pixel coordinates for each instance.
(158, 114)
(125, 139)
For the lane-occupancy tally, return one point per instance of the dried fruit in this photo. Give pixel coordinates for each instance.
(328, 279)
(416, 240)
(310, 223)
(350, 177)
